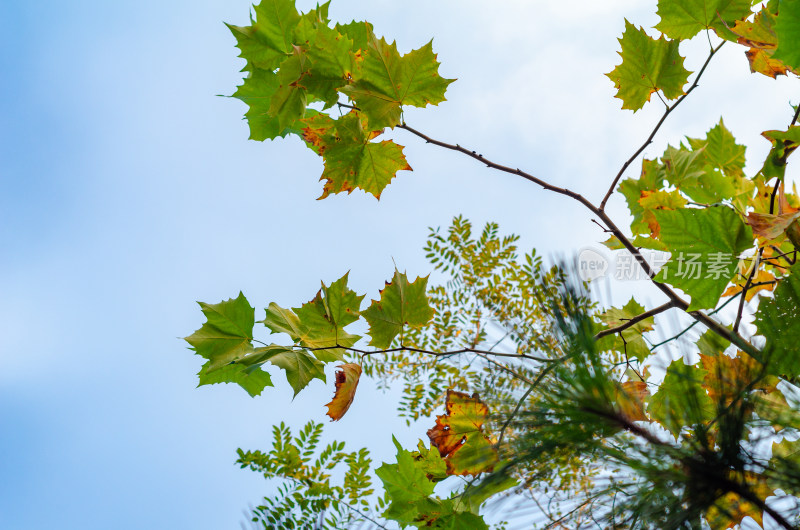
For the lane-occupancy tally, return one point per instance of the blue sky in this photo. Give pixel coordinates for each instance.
(129, 190)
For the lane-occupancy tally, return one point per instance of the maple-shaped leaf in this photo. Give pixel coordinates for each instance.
(346, 383)
(258, 91)
(406, 484)
(681, 400)
(632, 341)
(268, 40)
(648, 65)
(683, 19)
(252, 378)
(777, 321)
(330, 61)
(653, 201)
(759, 35)
(705, 246)
(385, 81)
(227, 334)
(402, 303)
(458, 435)
(288, 105)
(352, 159)
(787, 29)
(727, 377)
(319, 324)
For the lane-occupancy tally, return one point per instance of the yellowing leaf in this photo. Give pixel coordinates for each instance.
(762, 277)
(346, 383)
(631, 399)
(352, 160)
(648, 65)
(768, 227)
(458, 435)
(729, 510)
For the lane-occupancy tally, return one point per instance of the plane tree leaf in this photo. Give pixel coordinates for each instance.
(787, 29)
(760, 37)
(319, 324)
(705, 245)
(385, 81)
(777, 320)
(683, 19)
(346, 383)
(227, 334)
(299, 365)
(402, 303)
(648, 65)
(352, 159)
(252, 378)
(266, 42)
(681, 400)
(458, 435)
(631, 341)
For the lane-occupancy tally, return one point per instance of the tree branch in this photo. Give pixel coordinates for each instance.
(656, 128)
(635, 320)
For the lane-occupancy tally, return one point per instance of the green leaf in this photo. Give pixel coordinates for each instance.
(252, 378)
(332, 66)
(777, 320)
(227, 333)
(648, 65)
(320, 323)
(784, 144)
(430, 461)
(352, 160)
(681, 401)
(386, 81)
(705, 246)
(299, 365)
(632, 341)
(258, 91)
(406, 484)
(683, 19)
(289, 102)
(359, 32)
(402, 304)
(275, 22)
(787, 29)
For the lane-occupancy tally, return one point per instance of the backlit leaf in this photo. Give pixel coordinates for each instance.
(683, 19)
(648, 65)
(385, 81)
(227, 333)
(705, 245)
(777, 320)
(402, 303)
(787, 29)
(459, 437)
(352, 160)
(252, 378)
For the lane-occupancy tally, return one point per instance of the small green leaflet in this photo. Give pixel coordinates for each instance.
(386, 81)
(352, 160)
(320, 323)
(227, 333)
(683, 19)
(648, 65)
(705, 246)
(777, 321)
(402, 303)
(787, 29)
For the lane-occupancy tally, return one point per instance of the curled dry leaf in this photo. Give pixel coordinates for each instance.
(346, 383)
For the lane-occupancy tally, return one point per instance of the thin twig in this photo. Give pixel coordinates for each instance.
(635, 320)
